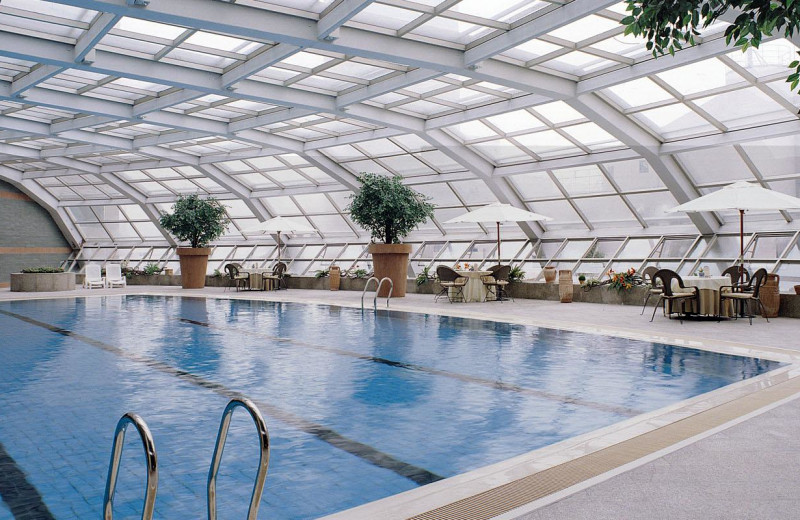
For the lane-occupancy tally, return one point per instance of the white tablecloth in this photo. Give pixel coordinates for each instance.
(708, 294)
(474, 291)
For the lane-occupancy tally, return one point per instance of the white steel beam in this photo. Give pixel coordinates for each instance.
(259, 62)
(237, 188)
(100, 27)
(35, 76)
(334, 18)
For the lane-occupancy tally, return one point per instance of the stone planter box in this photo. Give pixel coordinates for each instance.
(42, 282)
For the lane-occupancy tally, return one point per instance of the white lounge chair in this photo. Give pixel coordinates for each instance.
(114, 277)
(92, 277)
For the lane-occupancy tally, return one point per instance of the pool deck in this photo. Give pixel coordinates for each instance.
(732, 453)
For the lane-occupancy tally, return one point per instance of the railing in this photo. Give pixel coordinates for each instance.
(113, 468)
(377, 291)
(216, 459)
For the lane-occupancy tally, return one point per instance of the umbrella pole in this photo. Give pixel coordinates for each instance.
(741, 246)
(498, 243)
(279, 247)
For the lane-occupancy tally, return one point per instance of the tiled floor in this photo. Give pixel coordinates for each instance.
(744, 471)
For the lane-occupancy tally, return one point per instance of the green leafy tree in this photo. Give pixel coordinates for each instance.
(195, 220)
(669, 24)
(387, 208)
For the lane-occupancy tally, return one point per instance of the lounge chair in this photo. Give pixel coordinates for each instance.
(93, 277)
(114, 277)
(747, 294)
(452, 284)
(672, 296)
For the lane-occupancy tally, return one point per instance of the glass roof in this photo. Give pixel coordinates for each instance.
(273, 106)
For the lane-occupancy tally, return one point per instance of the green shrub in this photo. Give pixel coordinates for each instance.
(516, 274)
(43, 270)
(322, 273)
(151, 269)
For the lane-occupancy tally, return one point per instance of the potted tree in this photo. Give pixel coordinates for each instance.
(389, 210)
(197, 221)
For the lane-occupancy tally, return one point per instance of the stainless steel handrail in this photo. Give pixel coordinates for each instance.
(113, 466)
(263, 463)
(377, 290)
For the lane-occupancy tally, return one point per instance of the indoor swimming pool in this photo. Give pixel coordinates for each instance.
(359, 406)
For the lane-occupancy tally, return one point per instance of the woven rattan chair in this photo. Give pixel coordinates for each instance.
(747, 294)
(452, 284)
(670, 296)
(278, 276)
(653, 289)
(496, 283)
(733, 273)
(238, 279)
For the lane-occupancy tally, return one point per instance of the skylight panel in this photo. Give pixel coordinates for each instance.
(585, 180)
(281, 206)
(606, 211)
(266, 163)
(182, 186)
(592, 136)
(701, 77)
(768, 59)
(536, 186)
(675, 121)
(358, 70)
(471, 131)
(428, 86)
(327, 85)
(563, 215)
(633, 175)
(532, 49)
(473, 192)
(133, 212)
(148, 28)
(500, 10)
(466, 97)
(315, 203)
(130, 46)
(547, 143)
(585, 28)
(637, 93)
(294, 159)
(517, 121)
(235, 166)
(578, 63)
(40, 28)
(449, 30)
(412, 143)
(367, 166)
(255, 181)
(148, 230)
(132, 175)
(500, 151)
(714, 165)
(342, 153)
(629, 46)
(559, 112)
(197, 59)
(289, 178)
(407, 165)
(385, 16)
(440, 161)
(331, 224)
(423, 108)
(209, 185)
(306, 60)
(218, 41)
(744, 108)
(380, 147)
(151, 189)
(92, 232)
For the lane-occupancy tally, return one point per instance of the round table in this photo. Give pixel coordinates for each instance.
(708, 288)
(474, 291)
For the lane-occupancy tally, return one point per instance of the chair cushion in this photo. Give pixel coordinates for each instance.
(738, 295)
(656, 291)
(682, 294)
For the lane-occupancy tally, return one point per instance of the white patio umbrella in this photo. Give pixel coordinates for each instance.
(498, 212)
(278, 225)
(742, 196)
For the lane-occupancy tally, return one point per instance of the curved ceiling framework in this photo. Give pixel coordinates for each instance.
(110, 109)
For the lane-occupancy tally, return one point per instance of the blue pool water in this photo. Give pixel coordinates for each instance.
(359, 406)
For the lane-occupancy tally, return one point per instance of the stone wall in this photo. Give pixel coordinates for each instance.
(28, 235)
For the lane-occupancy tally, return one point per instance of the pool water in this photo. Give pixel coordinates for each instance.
(360, 406)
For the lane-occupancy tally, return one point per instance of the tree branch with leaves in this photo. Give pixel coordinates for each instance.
(668, 25)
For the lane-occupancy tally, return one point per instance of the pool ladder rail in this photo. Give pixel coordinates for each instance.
(216, 459)
(377, 290)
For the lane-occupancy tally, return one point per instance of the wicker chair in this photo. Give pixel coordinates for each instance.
(238, 279)
(278, 276)
(733, 272)
(654, 289)
(452, 284)
(682, 295)
(747, 294)
(496, 283)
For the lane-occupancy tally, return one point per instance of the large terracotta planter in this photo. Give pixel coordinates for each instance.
(770, 296)
(194, 262)
(391, 260)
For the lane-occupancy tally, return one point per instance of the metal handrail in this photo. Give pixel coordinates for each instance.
(377, 290)
(113, 466)
(263, 463)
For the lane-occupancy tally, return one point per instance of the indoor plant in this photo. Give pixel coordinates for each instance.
(389, 210)
(197, 221)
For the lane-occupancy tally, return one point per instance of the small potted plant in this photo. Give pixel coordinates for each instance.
(581, 279)
(389, 210)
(197, 221)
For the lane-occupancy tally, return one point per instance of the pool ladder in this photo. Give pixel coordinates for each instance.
(151, 460)
(377, 290)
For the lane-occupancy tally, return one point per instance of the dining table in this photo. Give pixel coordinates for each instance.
(708, 290)
(474, 290)
(258, 280)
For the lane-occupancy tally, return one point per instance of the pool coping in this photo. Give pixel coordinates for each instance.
(475, 493)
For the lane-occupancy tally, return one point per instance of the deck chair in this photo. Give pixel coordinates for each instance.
(114, 277)
(278, 276)
(451, 283)
(653, 289)
(93, 278)
(748, 294)
(672, 296)
(496, 283)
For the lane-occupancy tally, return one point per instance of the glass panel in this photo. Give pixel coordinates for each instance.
(638, 248)
(575, 249)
